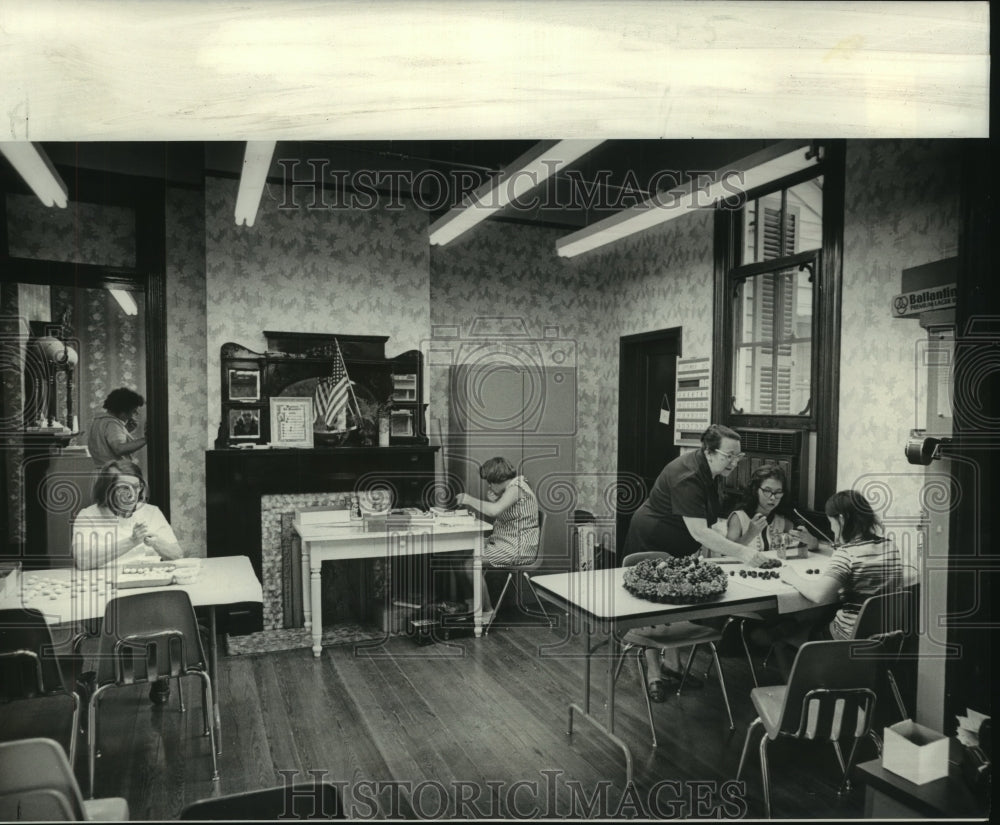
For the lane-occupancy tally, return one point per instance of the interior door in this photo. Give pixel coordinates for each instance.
(646, 420)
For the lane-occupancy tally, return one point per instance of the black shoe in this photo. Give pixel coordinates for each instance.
(159, 692)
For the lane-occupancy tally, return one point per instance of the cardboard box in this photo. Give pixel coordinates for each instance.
(915, 753)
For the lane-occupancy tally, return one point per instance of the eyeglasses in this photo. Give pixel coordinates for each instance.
(732, 456)
(771, 493)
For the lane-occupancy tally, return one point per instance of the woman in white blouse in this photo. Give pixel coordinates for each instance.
(121, 526)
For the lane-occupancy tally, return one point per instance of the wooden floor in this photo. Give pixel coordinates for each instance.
(470, 729)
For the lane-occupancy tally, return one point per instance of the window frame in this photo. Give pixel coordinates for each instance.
(823, 418)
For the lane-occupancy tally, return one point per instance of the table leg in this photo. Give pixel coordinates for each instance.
(213, 665)
(306, 586)
(609, 729)
(316, 585)
(477, 592)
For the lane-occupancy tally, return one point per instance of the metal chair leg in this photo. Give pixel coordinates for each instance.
(210, 727)
(687, 669)
(722, 684)
(746, 746)
(541, 604)
(75, 734)
(876, 740)
(640, 669)
(746, 650)
(497, 603)
(621, 658)
(900, 705)
(840, 756)
(180, 694)
(764, 776)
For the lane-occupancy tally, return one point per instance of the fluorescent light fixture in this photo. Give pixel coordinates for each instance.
(256, 165)
(33, 165)
(125, 301)
(523, 175)
(770, 164)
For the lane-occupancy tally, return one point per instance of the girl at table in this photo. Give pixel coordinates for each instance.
(121, 526)
(513, 508)
(864, 563)
(763, 509)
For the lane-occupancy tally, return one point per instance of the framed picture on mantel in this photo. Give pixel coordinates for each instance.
(291, 422)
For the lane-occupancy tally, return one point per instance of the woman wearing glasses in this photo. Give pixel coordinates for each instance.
(677, 518)
(763, 510)
(678, 515)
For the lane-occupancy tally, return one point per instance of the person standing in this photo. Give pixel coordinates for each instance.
(678, 514)
(111, 433)
(677, 518)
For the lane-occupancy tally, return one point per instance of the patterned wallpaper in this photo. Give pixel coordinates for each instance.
(901, 210)
(511, 271)
(186, 365)
(82, 233)
(362, 272)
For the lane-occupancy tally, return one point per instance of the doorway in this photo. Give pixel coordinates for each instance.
(647, 381)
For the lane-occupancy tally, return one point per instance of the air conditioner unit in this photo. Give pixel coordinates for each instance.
(789, 449)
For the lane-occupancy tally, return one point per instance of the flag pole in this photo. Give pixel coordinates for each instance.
(350, 386)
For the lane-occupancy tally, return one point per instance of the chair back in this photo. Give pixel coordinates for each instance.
(316, 800)
(36, 782)
(633, 559)
(146, 636)
(888, 617)
(831, 690)
(28, 664)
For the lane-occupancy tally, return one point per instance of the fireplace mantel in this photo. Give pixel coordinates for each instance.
(236, 479)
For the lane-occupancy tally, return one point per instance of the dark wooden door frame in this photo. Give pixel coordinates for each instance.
(147, 198)
(630, 391)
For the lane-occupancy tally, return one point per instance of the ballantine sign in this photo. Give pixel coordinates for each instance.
(913, 303)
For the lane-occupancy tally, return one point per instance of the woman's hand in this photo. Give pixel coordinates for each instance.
(755, 559)
(757, 525)
(461, 499)
(141, 534)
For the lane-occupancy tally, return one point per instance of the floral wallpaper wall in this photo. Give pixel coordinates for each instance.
(512, 272)
(83, 233)
(363, 272)
(186, 364)
(901, 210)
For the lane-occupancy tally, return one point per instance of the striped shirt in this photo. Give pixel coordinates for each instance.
(862, 570)
(515, 530)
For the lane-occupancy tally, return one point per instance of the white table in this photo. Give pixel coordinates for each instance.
(329, 542)
(598, 600)
(74, 596)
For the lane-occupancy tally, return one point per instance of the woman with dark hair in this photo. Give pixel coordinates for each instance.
(513, 508)
(120, 526)
(763, 509)
(110, 435)
(864, 563)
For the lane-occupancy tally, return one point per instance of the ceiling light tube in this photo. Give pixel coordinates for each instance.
(33, 165)
(125, 301)
(256, 165)
(516, 180)
(770, 164)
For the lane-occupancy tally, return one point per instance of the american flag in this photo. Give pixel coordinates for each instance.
(333, 394)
